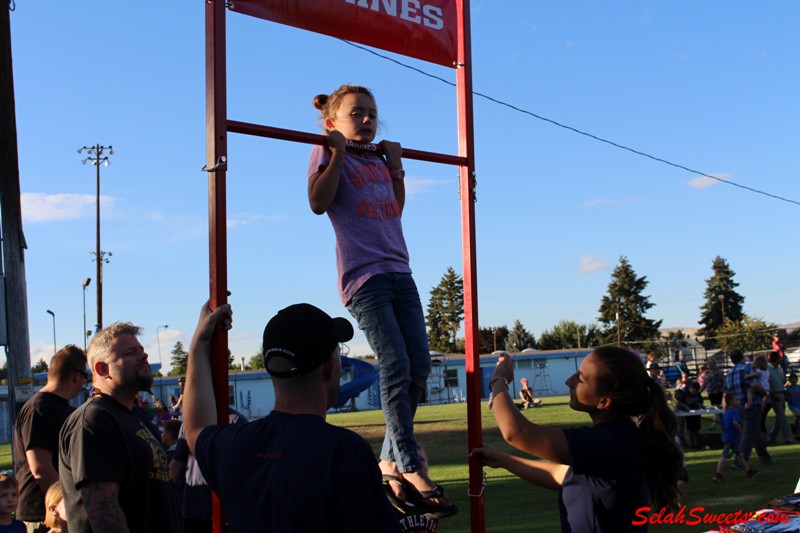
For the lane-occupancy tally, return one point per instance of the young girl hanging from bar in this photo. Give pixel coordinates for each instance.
(363, 194)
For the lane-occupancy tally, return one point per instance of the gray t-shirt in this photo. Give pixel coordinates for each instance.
(366, 220)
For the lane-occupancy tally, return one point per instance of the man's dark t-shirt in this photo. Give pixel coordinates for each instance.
(105, 441)
(38, 424)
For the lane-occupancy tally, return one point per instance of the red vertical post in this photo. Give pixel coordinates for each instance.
(467, 183)
(216, 166)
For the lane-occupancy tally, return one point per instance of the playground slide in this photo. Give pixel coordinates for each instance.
(364, 375)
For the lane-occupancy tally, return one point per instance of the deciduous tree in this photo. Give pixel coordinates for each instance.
(493, 338)
(569, 334)
(749, 334)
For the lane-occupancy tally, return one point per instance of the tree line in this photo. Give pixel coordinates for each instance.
(621, 319)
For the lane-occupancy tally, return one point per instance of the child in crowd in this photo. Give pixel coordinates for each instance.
(731, 432)
(526, 395)
(161, 415)
(679, 405)
(9, 495)
(712, 381)
(761, 385)
(693, 400)
(55, 512)
(364, 194)
(793, 402)
(169, 436)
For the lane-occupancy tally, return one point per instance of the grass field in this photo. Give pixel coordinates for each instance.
(513, 505)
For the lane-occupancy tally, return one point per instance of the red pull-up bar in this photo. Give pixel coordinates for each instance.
(258, 130)
(217, 127)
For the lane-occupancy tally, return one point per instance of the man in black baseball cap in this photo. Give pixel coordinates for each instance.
(291, 470)
(300, 338)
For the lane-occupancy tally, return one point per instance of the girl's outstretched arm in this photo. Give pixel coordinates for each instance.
(518, 431)
(542, 473)
(323, 185)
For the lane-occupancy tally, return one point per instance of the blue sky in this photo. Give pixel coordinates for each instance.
(709, 85)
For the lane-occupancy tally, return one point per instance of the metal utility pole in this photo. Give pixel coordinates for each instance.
(96, 158)
(16, 297)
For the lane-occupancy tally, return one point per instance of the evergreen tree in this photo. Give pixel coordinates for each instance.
(41, 366)
(749, 334)
(569, 334)
(722, 302)
(492, 339)
(178, 360)
(519, 338)
(622, 310)
(445, 312)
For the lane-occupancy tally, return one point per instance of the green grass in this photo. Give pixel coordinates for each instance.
(512, 504)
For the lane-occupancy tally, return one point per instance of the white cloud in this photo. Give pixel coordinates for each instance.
(243, 219)
(41, 350)
(704, 182)
(590, 263)
(415, 186)
(38, 207)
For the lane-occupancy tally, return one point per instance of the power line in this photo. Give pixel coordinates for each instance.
(575, 130)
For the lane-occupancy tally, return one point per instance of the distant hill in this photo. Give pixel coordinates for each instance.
(689, 332)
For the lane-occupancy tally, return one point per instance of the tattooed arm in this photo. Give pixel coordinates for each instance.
(101, 501)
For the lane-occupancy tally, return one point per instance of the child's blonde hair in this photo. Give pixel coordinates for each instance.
(52, 498)
(7, 482)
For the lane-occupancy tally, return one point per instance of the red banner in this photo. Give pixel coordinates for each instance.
(424, 29)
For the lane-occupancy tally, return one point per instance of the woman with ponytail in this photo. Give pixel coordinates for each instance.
(610, 475)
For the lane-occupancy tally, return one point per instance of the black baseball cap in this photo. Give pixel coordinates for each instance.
(305, 336)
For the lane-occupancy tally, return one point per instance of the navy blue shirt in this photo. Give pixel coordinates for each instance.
(294, 473)
(605, 484)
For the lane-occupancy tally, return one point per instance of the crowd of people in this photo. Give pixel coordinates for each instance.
(108, 465)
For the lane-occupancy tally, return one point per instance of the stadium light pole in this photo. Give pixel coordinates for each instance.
(52, 314)
(96, 157)
(85, 334)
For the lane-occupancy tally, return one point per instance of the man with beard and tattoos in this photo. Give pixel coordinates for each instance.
(114, 473)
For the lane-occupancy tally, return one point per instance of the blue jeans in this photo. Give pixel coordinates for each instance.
(389, 312)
